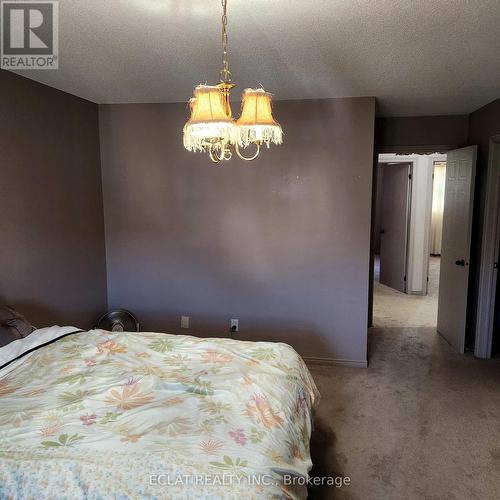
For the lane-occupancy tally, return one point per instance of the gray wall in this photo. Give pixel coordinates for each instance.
(281, 243)
(425, 134)
(52, 257)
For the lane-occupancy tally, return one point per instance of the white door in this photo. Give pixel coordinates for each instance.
(455, 246)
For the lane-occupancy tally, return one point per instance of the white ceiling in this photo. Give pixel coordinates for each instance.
(418, 57)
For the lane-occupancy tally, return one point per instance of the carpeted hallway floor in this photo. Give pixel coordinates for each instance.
(395, 309)
(421, 422)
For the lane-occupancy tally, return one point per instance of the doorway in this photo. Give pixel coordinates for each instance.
(468, 312)
(409, 203)
(488, 315)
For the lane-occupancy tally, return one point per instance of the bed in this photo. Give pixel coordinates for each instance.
(95, 414)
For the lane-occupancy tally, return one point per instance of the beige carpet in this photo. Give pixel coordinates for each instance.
(421, 422)
(393, 309)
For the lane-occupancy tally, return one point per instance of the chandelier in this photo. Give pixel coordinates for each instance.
(211, 127)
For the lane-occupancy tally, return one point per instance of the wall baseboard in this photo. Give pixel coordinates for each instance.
(342, 362)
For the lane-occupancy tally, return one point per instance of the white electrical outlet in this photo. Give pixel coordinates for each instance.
(184, 321)
(234, 325)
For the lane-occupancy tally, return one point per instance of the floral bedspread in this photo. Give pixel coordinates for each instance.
(149, 415)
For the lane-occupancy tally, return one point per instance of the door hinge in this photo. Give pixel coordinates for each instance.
(409, 176)
(404, 279)
(495, 265)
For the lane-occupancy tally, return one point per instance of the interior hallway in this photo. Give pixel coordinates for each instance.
(392, 308)
(421, 422)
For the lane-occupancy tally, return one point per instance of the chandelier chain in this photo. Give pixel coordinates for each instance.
(225, 73)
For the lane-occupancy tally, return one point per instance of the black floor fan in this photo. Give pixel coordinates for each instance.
(118, 320)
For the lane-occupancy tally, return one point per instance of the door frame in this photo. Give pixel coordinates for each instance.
(401, 151)
(409, 213)
(489, 254)
(416, 286)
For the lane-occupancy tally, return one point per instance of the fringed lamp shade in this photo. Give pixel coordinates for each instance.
(209, 122)
(256, 123)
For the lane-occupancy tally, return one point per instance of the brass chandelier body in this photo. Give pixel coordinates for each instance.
(211, 127)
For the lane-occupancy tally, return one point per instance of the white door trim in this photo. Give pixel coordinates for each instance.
(489, 254)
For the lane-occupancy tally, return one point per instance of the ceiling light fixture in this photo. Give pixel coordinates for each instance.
(211, 127)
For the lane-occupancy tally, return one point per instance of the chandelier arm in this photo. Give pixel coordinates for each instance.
(227, 155)
(237, 149)
(213, 155)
